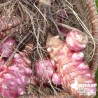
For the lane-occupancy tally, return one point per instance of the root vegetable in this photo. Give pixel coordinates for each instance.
(7, 47)
(44, 70)
(70, 65)
(54, 44)
(7, 23)
(60, 50)
(15, 78)
(76, 40)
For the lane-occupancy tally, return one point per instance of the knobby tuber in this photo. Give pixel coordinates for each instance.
(76, 40)
(45, 70)
(7, 23)
(75, 74)
(7, 47)
(14, 77)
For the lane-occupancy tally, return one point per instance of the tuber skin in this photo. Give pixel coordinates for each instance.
(57, 48)
(45, 70)
(7, 47)
(76, 40)
(71, 66)
(14, 78)
(7, 23)
(56, 79)
(51, 42)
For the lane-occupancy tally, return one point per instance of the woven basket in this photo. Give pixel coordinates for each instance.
(91, 21)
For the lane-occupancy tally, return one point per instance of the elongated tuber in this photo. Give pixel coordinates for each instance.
(75, 74)
(14, 78)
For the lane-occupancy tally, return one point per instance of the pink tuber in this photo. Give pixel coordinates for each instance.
(56, 79)
(45, 70)
(76, 40)
(75, 75)
(15, 77)
(7, 47)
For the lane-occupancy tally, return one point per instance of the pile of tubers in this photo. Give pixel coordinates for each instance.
(65, 67)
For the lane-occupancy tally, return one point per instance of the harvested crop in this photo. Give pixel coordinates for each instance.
(7, 47)
(7, 23)
(44, 70)
(76, 40)
(15, 77)
(71, 66)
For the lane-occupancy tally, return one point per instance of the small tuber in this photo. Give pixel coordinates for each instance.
(76, 40)
(7, 47)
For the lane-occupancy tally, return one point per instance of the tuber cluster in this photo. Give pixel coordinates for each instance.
(66, 65)
(75, 74)
(14, 77)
